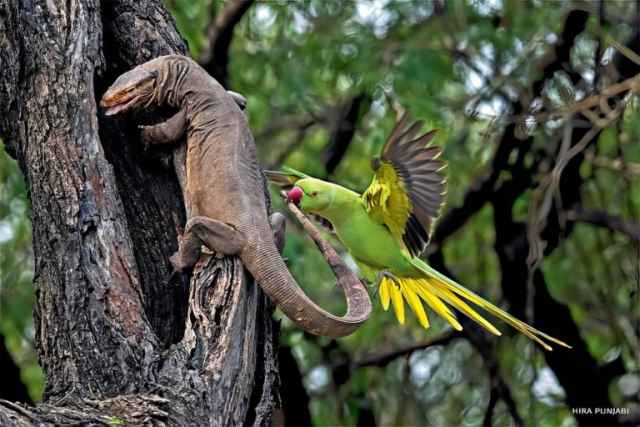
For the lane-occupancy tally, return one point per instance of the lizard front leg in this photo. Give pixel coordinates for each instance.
(173, 129)
(167, 132)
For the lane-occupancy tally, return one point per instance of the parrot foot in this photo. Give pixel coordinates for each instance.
(385, 273)
(379, 276)
(373, 289)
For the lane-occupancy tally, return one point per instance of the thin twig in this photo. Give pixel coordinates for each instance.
(618, 165)
(215, 58)
(606, 220)
(382, 359)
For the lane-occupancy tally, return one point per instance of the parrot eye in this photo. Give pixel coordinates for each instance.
(314, 194)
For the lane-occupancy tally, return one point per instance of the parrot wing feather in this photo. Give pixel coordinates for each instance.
(407, 190)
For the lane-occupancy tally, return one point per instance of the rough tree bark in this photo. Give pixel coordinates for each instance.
(115, 343)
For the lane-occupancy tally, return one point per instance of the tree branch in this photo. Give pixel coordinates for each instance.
(215, 58)
(482, 188)
(487, 421)
(295, 399)
(511, 237)
(346, 123)
(512, 247)
(300, 127)
(485, 347)
(631, 170)
(478, 194)
(382, 359)
(605, 220)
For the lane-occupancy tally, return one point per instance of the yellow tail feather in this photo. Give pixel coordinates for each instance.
(436, 304)
(444, 284)
(385, 293)
(452, 299)
(415, 304)
(398, 304)
(437, 291)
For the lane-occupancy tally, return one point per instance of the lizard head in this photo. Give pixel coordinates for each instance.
(130, 91)
(312, 195)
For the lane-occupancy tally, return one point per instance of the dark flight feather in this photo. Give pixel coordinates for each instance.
(421, 171)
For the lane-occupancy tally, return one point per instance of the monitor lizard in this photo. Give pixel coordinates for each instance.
(222, 185)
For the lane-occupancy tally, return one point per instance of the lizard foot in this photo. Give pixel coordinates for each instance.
(181, 272)
(180, 278)
(240, 100)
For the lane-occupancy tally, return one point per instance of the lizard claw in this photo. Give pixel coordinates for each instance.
(240, 100)
(178, 275)
(180, 278)
(144, 138)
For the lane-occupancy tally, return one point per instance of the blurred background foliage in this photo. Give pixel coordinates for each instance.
(16, 275)
(315, 70)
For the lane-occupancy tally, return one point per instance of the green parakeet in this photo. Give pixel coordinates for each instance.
(386, 228)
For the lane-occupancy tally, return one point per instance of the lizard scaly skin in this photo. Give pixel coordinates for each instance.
(222, 185)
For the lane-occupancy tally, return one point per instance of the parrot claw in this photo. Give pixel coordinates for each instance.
(374, 289)
(385, 273)
(376, 283)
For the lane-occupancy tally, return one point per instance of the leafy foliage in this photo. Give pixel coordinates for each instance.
(16, 274)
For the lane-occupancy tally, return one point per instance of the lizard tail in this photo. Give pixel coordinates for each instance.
(271, 273)
(269, 270)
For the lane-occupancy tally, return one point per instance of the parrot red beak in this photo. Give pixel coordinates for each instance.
(295, 195)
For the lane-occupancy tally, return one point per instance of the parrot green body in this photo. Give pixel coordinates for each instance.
(369, 242)
(385, 260)
(387, 228)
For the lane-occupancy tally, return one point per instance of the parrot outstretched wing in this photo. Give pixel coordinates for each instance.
(408, 188)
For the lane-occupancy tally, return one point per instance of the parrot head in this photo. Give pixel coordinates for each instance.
(312, 195)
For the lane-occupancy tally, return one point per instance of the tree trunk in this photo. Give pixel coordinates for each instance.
(115, 342)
